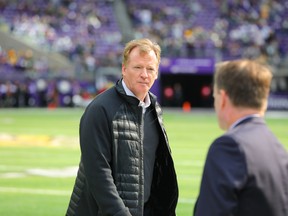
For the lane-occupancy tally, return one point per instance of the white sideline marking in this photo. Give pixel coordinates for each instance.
(66, 172)
(13, 175)
(34, 191)
(186, 201)
(51, 173)
(61, 193)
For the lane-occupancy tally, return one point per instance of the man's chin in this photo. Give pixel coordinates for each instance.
(143, 87)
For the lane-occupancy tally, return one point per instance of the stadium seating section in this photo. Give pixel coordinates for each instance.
(88, 33)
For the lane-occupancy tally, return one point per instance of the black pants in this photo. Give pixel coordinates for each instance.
(148, 210)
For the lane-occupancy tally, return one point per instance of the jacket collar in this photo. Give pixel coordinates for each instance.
(132, 99)
(144, 104)
(249, 118)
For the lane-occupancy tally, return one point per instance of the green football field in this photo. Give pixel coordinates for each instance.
(39, 155)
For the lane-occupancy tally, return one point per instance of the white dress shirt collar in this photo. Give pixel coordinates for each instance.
(144, 104)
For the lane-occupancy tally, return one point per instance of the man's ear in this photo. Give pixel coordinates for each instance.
(123, 70)
(224, 98)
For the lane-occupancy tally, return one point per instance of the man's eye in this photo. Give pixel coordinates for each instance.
(151, 70)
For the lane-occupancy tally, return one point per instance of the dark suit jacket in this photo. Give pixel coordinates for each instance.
(245, 174)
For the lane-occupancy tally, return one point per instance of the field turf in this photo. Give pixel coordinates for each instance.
(39, 155)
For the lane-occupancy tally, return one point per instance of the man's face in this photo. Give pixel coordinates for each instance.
(140, 72)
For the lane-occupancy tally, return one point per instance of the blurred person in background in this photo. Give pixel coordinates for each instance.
(126, 167)
(246, 169)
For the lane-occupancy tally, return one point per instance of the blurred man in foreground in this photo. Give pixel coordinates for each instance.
(246, 169)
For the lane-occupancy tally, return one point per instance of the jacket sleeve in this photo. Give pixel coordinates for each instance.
(224, 175)
(95, 143)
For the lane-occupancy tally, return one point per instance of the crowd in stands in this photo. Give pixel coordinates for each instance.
(88, 34)
(218, 29)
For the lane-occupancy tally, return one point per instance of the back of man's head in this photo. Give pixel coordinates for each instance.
(246, 82)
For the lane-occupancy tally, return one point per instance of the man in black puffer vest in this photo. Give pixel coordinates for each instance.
(126, 167)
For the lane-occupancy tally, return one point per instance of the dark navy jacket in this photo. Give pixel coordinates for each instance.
(245, 174)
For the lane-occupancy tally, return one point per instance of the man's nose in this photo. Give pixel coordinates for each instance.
(144, 73)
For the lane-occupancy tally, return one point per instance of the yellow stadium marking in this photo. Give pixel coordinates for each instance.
(37, 140)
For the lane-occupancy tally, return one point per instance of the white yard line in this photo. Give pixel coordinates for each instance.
(186, 201)
(34, 191)
(61, 193)
(52, 173)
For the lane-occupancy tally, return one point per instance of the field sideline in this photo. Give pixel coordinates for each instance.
(39, 155)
